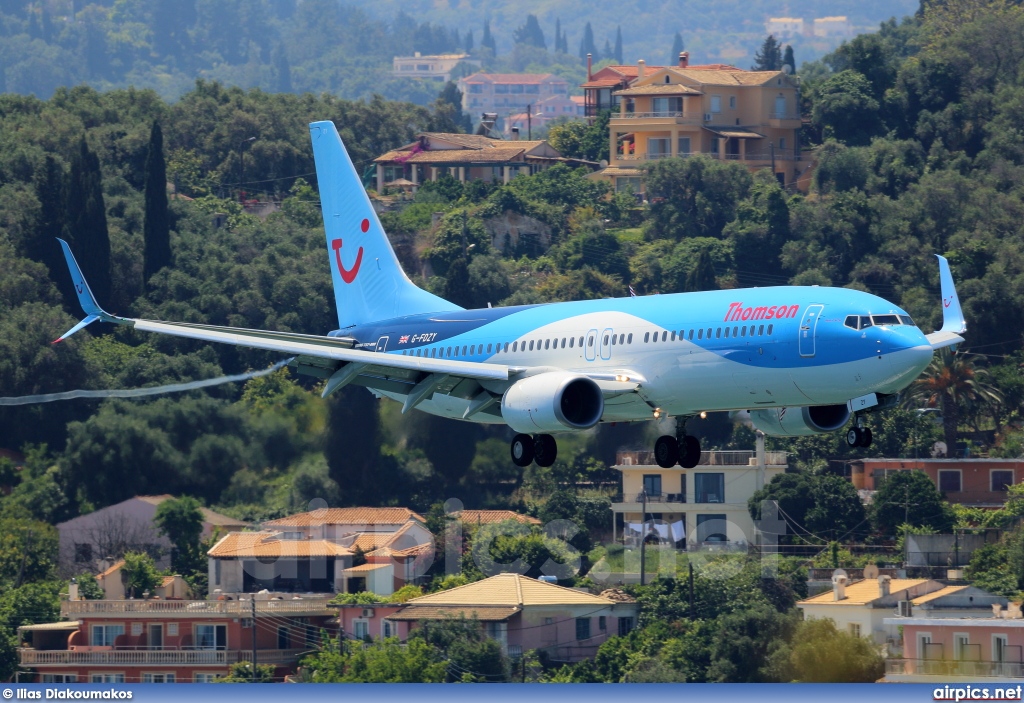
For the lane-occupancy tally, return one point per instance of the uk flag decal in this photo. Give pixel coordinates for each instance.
(403, 339)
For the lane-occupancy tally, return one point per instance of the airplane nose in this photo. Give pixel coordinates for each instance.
(909, 352)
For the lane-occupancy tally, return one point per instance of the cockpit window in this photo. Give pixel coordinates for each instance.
(852, 321)
(907, 320)
(886, 319)
(865, 321)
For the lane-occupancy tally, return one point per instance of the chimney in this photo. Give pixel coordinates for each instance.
(883, 586)
(73, 590)
(515, 134)
(590, 60)
(839, 588)
(684, 59)
(997, 610)
(640, 66)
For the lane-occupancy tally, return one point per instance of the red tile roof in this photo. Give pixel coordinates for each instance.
(348, 516)
(487, 517)
(270, 544)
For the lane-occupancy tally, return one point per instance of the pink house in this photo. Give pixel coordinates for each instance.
(520, 613)
(951, 649)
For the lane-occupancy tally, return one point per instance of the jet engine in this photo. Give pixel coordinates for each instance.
(799, 422)
(556, 401)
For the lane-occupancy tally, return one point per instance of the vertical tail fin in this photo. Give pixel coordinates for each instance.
(369, 283)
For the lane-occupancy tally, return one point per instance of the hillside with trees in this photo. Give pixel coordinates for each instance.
(347, 48)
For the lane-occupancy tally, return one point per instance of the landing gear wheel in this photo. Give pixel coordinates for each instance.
(866, 439)
(853, 436)
(522, 450)
(689, 447)
(545, 450)
(666, 451)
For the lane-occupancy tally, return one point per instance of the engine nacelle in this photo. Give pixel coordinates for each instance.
(800, 422)
(556, 401)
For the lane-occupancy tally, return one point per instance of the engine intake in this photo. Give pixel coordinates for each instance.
(556, 401)
(800, 422)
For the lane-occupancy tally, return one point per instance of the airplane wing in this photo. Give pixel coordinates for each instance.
(335, 359)
(953, 322)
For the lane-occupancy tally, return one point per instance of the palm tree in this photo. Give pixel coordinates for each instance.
(951, 383)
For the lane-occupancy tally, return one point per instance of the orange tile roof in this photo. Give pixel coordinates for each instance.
(510, 590)
(113, 567)
(442, 612)
(487, 517)
(862, 592)
(269, 544)
(362, 568)
(167, 581)
(348, 516)
(726, 76)
(472, 141)
(448, 156)
(371, 541)
(659, 89)
(942, 592)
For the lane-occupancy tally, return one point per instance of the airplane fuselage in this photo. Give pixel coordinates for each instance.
(707, 351)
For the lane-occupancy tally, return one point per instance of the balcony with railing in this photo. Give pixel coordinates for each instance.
(733, 458)
(672, 117)
(156, 656)
(311, 604)
(897, 669)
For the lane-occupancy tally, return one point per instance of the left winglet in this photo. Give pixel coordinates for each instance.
(953, 322)
(86, 299)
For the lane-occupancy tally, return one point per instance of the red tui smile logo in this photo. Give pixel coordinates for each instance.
(349, 275)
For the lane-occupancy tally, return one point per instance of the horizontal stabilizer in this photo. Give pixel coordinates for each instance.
(941, 339)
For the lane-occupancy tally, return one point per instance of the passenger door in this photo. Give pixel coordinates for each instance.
(808, 329)
(606, 343)
(590, 348)
(382, 344)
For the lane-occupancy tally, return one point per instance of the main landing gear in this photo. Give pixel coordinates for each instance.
(859, 435)
(540, 448)
(668, 451)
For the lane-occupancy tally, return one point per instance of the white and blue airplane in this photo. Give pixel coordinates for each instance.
(801, 359)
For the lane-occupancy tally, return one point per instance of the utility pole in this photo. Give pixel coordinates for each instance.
(241, 167)
(690, 564)
(643, 537)
(529, 122)
(252, 602)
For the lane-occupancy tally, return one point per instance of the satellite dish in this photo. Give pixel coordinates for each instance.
(870, 571)
(939, 449)
(604, 163)
(787, 69)
(839, 572)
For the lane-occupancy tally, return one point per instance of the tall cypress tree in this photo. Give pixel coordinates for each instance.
(282, 70)
(156, 229)
(677, 48)
(488, 40)
(86, 220)
(43, 246)
(558, 34)
(587, 45)
(618, 45)
(769, 57)
(469, 41)
(789, 60)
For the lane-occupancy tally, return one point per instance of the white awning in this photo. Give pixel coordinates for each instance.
(45, 626)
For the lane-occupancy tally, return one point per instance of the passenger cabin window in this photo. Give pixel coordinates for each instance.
(629, 339)
(647, 337)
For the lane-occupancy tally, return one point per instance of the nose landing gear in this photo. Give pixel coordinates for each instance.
(540, 448)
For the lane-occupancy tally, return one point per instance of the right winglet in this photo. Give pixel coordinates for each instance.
(953, 322)
(86, 299)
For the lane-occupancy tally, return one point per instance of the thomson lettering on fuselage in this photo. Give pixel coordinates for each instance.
(801, 359)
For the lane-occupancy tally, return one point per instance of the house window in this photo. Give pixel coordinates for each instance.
(361, 629)
(658, 147)
(1001, 479)
(780, 107)
(532, 90)
(602, 623)
(709, 488)
(204, 678)
(855, 629)
(211, 637)
(476, 88)
(962, 648)
(732, 102)
(388, 629)
(283, 640)
(158, 678)
(216, 571)
(711, 528)
(83, 552)
(172, 629)
(949, 481)
(625, 626)
(501, 90)
(999, 644)
(652, 485)
(582, 628)
(60, 678)
(684, 146)
(106, 678)
(104, 635)
(716, 103)
(782, 143)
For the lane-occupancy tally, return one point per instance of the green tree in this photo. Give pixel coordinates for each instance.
(789, 60)
(140, 574)
(380, 662)
(952, 382)
(587, 45)
(845, 109)
(181, 521)
(241, 672)
(86, 223)
(617, 51)
(751, 646)
(472, 655)
(694, 197)
(487, 40)
(530, 33)
(677, 48)
(282, 69)
(909, 497)
(821, 653)
(794, 493)
(769, 56)
(43, 246)
(156, 230)
(838, 512)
